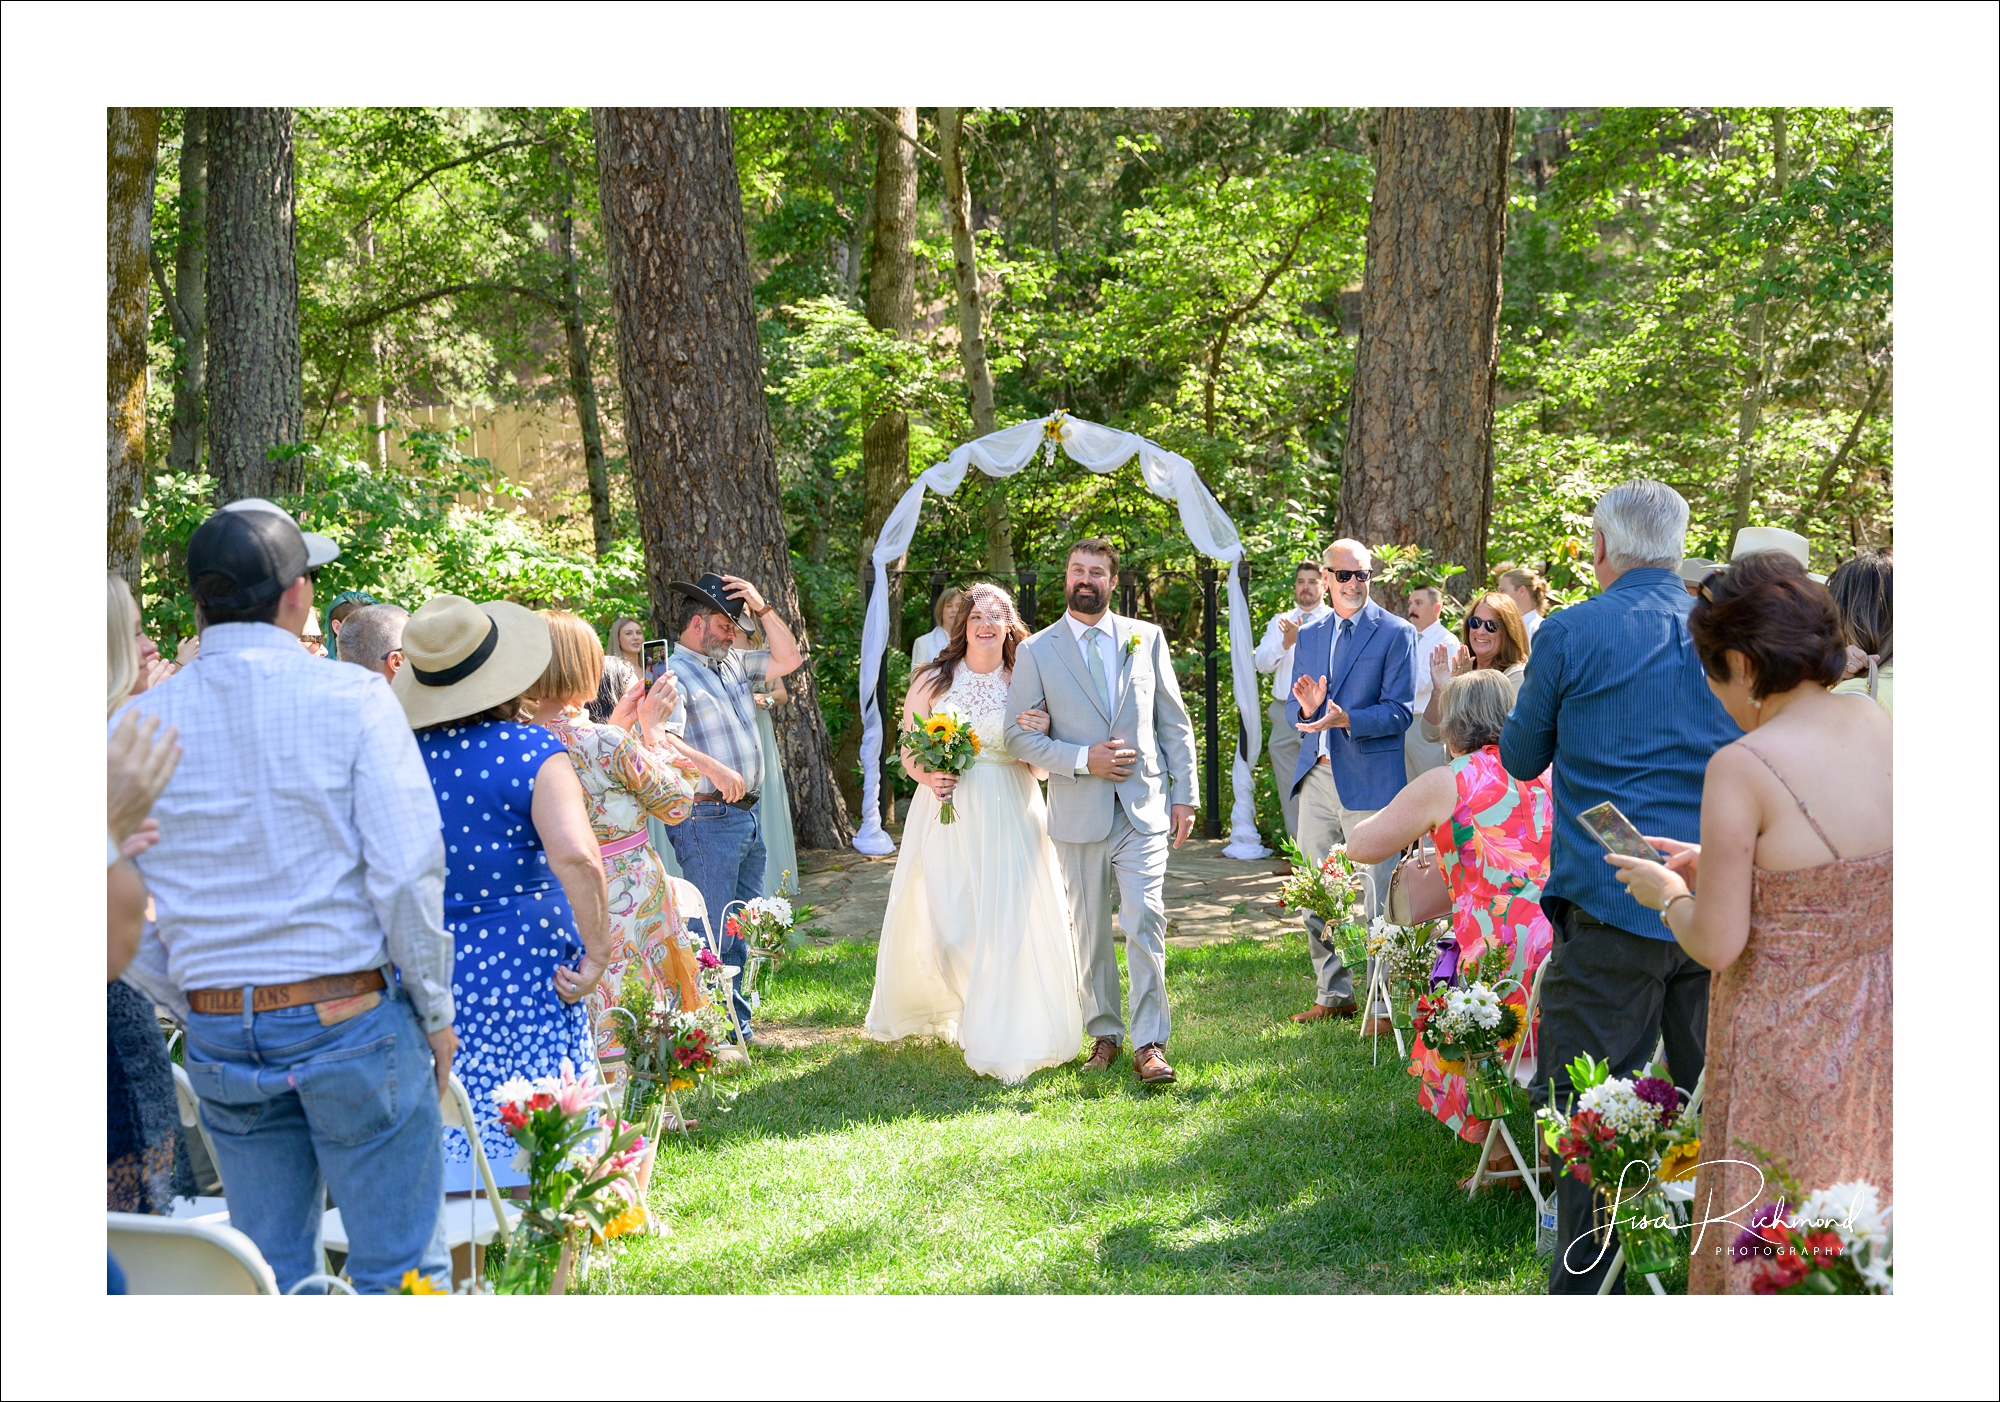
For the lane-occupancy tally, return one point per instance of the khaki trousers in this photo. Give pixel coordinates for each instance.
(1284, 750)
(1419, 754)
(1324, 821)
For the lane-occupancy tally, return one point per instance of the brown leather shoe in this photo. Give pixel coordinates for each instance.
(1102, 1054)
(1320, 1011)
(1149, 1063)
(1377, 1027)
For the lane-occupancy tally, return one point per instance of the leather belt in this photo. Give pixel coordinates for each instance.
(271, 997)
(743, 804)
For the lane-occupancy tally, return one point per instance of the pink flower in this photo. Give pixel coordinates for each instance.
(705, 958)
(574, 1097)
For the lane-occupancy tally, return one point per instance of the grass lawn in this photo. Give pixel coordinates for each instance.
(1282, 1161)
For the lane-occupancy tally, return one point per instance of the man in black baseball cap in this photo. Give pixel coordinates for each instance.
(248, 558)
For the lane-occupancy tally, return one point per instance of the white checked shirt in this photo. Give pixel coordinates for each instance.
(299, 836)
(716, 715)
(1087, 634)
(1274, 657)
(1420, 661)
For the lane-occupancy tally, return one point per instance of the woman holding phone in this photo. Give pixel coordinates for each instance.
(1492, 833)
(1787, 899)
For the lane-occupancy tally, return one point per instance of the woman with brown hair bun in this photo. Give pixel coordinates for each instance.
(629, 769)
(1791, 908)
(1530, 593)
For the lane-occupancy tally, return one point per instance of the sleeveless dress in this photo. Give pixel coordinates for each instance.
(976, 943)
(1494, 852)
(1800, 1043)
(624, 782)
(510, 925)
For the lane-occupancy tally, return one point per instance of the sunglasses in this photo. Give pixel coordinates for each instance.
(1491, 625)
(1344, 575)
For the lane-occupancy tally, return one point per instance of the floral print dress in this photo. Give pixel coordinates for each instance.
(1494, 852)
(625, 780)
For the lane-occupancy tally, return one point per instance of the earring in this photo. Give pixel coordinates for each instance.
(1758, 702)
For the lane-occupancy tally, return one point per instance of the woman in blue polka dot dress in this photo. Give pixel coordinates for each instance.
(524, 896)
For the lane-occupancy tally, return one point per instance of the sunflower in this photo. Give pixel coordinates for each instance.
(632, 1219)
(1679, 1161)
(417, 1283)
(940, 728)
(973, 736)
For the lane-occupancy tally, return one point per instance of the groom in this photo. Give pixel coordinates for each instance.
(1115, 722)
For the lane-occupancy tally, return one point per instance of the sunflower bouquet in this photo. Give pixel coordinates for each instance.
(944, 743)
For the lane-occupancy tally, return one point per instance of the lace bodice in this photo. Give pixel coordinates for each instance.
(982, 697)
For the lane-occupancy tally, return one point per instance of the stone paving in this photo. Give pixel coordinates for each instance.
(1209, 896)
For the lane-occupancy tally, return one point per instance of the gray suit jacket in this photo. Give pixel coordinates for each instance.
(1146, 711)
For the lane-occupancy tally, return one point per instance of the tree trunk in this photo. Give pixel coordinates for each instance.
(704, 469)
(582, 387)
(190, 295)
(1419, 456)
(1750, 409)
(253, 301)
(971, 328)
(132, 143)
(892, 307)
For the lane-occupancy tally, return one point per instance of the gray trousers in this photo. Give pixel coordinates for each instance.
(1284, 748)
(1420, 754)
(1325, 821)
(1138, 861)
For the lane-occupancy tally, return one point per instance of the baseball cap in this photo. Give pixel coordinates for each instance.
(258, 548)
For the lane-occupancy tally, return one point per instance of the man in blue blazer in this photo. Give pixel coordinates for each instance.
(1352, 693)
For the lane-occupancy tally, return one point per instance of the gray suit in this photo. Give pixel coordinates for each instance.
(1102, 829)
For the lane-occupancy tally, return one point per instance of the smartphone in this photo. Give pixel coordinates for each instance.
(653, 658)
(1616, 832)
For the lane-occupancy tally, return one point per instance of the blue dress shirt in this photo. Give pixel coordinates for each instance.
(1615, 697)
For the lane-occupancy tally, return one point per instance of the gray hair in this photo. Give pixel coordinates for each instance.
(1644, 524)
(1474, 708)
(370, 634)
(1367, 555)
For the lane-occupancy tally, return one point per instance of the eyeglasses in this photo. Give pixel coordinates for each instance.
(1491, 625)
(1344, 575)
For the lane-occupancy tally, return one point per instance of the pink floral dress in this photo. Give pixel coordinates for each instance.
(1494, 851)
(624, 780)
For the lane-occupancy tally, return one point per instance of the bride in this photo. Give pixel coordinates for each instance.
(976, 943)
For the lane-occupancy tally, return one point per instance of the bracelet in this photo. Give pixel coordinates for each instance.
(768, 608)
(1683, 896)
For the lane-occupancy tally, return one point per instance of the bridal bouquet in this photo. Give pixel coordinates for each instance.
(1838, 1241)
(944, 743)
(582, 1182)
(1619, 1124)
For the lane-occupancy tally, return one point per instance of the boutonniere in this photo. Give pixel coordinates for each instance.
(1131, 643)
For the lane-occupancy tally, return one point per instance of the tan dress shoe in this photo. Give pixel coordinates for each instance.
(1319, 1012)
(1102, 1054)
(1149, 1063)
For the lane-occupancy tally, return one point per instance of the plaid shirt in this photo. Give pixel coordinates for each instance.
(299, 836)
(716, 715)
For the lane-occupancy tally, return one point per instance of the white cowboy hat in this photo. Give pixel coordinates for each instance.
(1754, 540)
(461, 658)
(1694, 569)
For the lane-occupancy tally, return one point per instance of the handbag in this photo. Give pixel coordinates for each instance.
(1417, 891)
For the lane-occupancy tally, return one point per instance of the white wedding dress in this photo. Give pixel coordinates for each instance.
(976, 944)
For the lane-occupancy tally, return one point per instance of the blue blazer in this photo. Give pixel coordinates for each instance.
(1377, 690)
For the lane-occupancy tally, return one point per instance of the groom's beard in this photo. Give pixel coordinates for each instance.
(1085, 598)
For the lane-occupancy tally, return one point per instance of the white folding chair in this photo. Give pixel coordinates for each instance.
(687, 900)
(1678, 1195)
(1497, 1129)
(190, 1112)
(472, 1223)
(184, 1256)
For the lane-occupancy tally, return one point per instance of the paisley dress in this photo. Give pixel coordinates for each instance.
(1494, 852)
(624, 781)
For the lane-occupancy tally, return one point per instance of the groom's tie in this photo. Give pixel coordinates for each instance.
(1094, 655)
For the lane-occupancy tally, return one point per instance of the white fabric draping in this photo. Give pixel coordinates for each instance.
(1168, 475)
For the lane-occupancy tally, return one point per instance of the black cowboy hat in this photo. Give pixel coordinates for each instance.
(709, 590)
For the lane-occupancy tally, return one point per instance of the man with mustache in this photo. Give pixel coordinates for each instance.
(1118, 745)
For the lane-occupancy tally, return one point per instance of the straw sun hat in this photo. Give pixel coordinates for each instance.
(461, 658)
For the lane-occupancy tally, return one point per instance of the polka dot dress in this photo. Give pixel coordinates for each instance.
(510, 925)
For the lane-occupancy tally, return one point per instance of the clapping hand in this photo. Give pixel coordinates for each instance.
(1441, 663)
(1035, 719)
(1288, 629)
(1310, 693)
(142, 838)
(142, 759)
(1463, 663)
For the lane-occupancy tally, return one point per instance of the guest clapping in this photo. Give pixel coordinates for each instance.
(1616, 700)
(524, 891)
(1493, 639)
(1791, 906)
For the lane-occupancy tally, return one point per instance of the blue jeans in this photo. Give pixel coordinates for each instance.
(296, 1109)
(721, 850)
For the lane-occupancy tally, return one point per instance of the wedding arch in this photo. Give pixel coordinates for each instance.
(1100, 449)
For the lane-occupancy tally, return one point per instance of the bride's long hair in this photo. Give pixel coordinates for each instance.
(942, 668)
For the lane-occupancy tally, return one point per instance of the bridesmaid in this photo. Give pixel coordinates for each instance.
(1791, 907)
(628, 771)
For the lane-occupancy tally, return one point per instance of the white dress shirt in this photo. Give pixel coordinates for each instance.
(299, 836)
(1420, 660)
(1107, 651)
(1533, 620)
(1274, 657)
(926, 648)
